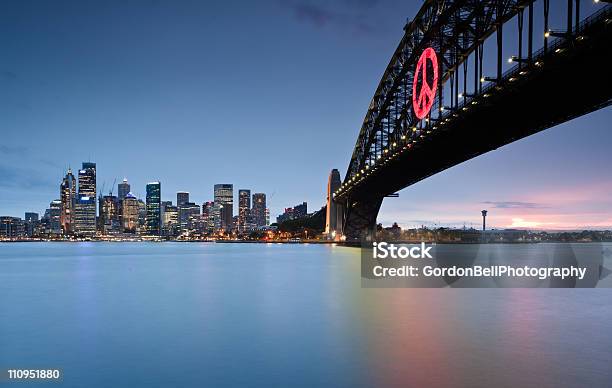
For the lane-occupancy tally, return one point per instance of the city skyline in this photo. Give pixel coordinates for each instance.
(98, 75)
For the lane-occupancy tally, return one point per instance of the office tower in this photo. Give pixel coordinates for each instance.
(85, 216)
(181, 198)
(123, 189)
(55, 213)
(333, 216)
(87, 180)
(188, 215)
(109, 214)
(244, 210)
(142, 215)
(31, 223)
(153, 220)
(207, 216)
(224, 201)
(267, 216)
(258, 212)
(68, 199)
(85, 205)
(130, 213)
(170, 219)
(12, 227)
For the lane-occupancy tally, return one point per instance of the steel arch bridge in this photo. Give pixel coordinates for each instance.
(473, 107)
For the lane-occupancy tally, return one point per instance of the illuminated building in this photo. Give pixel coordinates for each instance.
(153, 219)
(130, 209)
(170, 219)
(207, 216)
(85, 205)
(85, 216)
(188, 214)
(258, 212)
(292, 213)
(224, 203)
(109, 214)
(244, 210)
(68, 199)
(11, 227)
(31, 223)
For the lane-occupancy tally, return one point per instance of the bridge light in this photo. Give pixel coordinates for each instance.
(482, 79)
(558, 50)
(414, 129)
(547, 34)
(474, 102)
(403, 137)
(394, 144)
(460, 95)
(378, 157)
(510, 60)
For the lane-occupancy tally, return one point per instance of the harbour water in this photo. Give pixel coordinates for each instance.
(205, 314)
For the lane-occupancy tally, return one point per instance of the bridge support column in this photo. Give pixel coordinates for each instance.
(359, 225)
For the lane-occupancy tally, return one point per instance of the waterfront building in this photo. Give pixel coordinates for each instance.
(207, 216)
(258, 212)
(292, 213)
(110, 214)
(68, 195)
(333, 216)
(189, 213)
(55, 212)
(153, 219)
(84, 216)
(11, 227)
(31, 223)
(224, 202)
(130, 213)
(142, 215)
(86, 200)
(244, 210)
(170, 219)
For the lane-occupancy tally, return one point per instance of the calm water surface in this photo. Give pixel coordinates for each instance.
(190, 314)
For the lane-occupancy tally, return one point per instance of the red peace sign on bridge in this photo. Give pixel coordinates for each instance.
(423, 99)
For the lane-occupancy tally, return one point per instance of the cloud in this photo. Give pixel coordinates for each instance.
(514, 205)
(9, 150)
(7, 74)
(21, 178)
(345, 16)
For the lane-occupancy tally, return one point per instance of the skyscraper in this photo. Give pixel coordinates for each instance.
(258, 212)
(188, 214)
(170, 220)
(68, 200)
(31, 223)
(85, 216)
(208, 216)
(333, 217)
(85, 206)
(244, 210)
(123, 189)
(224, 201)
(109, 214)
(129, 216)
(87, 180)
(153, 220)
(182, 197)
(55, 214)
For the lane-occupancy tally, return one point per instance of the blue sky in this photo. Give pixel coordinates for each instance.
(267, 95)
